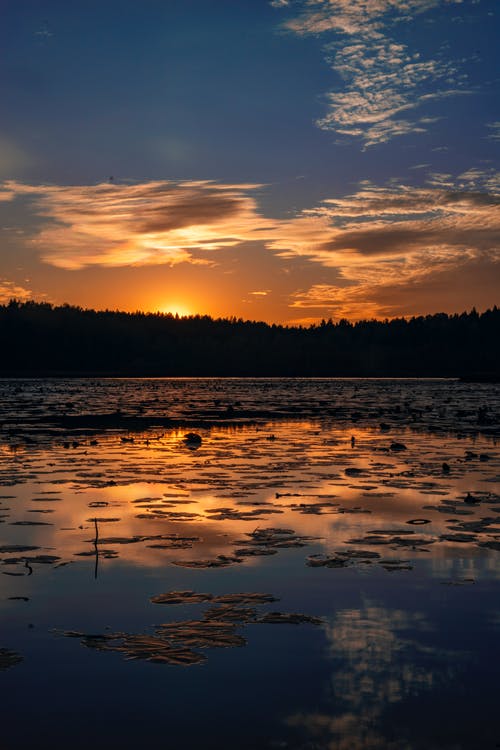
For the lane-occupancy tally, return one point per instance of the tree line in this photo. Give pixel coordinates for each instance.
(39, 339)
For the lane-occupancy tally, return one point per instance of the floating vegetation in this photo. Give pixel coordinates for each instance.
(491, 544)
(172, 544)
(181, 597)
(221, 561)
(459, 582)
(393, 565)
(141, 647)
(397, 447)
(277, 539)
(165, 515)
(107, 554)
(191, 597)
(399, 537)
(252, 598)
(232, 514)
(285, 618)
(202, 634)
(120, 539)
(43, 559)
(482, 525)
(449, 509)
(341, 559)
(103, 519)
(42, 510)
(192, 439)
(352, 471)
(9, 658)
(326, 561)
(17, 548)
(231, 613)
(320, 508)
(244, 514)
(471, 499)
(458, 538)
(178, 643)
(255, 552)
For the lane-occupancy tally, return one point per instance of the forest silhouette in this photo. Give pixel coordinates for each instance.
(38, 339)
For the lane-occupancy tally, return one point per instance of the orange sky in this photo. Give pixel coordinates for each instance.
(280, 160)
(208, 248)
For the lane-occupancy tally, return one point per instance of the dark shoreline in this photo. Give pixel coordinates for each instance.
(492, 377)
(38, 340)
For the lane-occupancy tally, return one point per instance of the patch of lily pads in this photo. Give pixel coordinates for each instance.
(182, 643)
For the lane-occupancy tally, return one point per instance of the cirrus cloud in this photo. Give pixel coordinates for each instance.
(383, 80)
(12, 290)
(158, 222)
(380, 241)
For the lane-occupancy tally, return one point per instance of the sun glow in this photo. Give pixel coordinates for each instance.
(175, 308)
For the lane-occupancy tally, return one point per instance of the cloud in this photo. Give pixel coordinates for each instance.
(382, 242)
(383, 80)
(44, 33)
(380, 658)
(11, 290)
(495, 128)
(140, 224)
(403, 249)
(366, 17)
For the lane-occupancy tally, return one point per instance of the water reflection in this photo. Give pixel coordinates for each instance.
(155, 500)
(377, 550)
(379, 658)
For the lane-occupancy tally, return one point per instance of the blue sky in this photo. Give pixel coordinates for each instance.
(308, 159)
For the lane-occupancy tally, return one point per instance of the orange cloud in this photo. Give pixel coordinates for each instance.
(10, 290)
(141, 224)
(379, 240)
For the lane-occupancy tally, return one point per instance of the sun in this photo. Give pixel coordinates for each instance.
(175, 308)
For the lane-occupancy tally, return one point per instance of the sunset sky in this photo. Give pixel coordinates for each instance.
(282, 160)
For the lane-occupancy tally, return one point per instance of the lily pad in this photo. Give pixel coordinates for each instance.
(9, 658)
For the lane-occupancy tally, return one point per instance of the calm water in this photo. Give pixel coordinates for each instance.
(309, 576)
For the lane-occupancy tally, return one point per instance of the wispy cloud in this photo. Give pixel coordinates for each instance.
(141, 224)
(396, 248)
(494, 134)
(381, 242)
(383, 80)
(44, 33)
(376, 647)
(11, 290)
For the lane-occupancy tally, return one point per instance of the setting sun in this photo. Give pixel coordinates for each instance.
(175, 308)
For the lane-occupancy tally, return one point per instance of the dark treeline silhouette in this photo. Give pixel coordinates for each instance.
(38, 339)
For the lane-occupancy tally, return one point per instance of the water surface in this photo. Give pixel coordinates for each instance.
(320, 572)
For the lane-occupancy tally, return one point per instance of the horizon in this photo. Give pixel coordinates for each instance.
(283, 161)
(233, 318)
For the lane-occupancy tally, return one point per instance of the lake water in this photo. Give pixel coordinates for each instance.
(320, 571)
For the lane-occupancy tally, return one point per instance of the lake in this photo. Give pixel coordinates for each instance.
(282, 563)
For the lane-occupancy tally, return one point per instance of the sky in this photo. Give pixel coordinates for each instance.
(277, 160)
